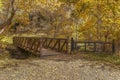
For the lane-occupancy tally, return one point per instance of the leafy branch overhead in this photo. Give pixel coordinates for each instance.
(95, 20)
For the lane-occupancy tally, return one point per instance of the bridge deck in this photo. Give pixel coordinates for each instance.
(48, 52)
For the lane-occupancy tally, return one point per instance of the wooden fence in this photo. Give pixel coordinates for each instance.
(35, 44)
(93, 46)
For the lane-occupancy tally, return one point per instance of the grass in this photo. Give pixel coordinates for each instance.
(6, 39)
(5, 59)
(114, 59)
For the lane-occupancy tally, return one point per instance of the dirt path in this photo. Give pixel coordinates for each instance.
(56, 68)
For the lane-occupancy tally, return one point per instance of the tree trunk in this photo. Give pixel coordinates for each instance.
(5, 25)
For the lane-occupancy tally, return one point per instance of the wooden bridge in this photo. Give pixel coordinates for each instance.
(37, 44)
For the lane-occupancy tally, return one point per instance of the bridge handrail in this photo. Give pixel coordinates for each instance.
(34, 44)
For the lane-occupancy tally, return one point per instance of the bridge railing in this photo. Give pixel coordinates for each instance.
(58, 44)
(35, 44)
(31, 44)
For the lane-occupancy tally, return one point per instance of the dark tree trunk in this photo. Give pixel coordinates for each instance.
(5, 26)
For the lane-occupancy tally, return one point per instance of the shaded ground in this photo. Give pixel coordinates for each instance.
(59, 67)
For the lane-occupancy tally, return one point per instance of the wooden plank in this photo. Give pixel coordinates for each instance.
(54, 47)
(58, 45)
(61, 48)
(85, 47)
(39, 46)
(95, 47)
(50, 41)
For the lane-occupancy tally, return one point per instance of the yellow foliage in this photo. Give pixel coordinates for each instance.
(88, 0)
(0, 3)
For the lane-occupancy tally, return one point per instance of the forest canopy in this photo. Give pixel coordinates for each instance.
(84, 19)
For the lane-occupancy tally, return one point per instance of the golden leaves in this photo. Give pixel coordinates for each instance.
(0, 3)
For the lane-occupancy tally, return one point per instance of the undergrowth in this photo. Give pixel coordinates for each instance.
(111, 58)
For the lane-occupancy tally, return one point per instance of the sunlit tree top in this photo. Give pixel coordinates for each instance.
(0, 5)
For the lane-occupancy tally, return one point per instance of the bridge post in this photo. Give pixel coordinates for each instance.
(72, 44)
(67, 45)
(113, 46)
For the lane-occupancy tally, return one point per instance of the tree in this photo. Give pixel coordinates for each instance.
(11, 11)
(98, 17)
